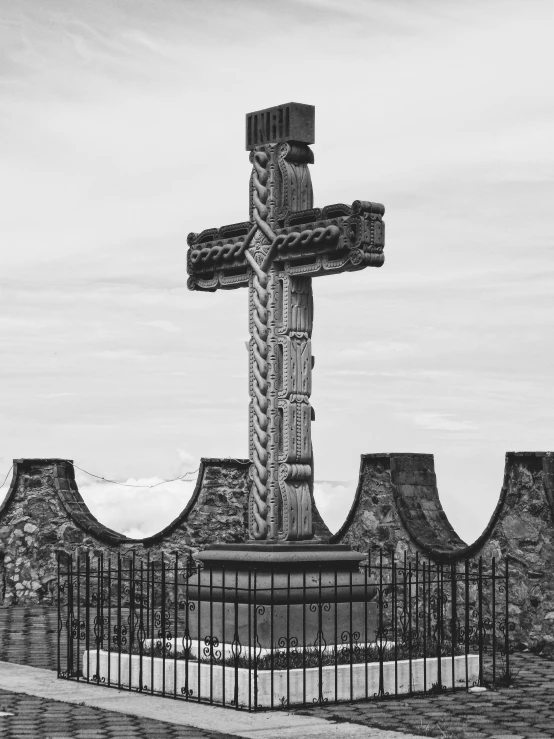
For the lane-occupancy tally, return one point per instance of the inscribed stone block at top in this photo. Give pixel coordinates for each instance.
(288, 122)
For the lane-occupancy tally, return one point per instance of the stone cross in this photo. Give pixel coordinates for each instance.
(285, 243)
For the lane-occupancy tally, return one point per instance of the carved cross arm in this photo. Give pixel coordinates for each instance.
(337, 238)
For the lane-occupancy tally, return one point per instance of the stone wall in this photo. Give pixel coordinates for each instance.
(44, 514)
(397, 508)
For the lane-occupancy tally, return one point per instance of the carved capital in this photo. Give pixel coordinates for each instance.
(293, 181)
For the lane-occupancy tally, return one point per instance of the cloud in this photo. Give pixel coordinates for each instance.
(167, 326)
(376, 350)
(143, 508)
(442, 422)
(136, 512)
(333, 500)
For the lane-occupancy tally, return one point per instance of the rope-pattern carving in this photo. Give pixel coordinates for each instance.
(260, 193)
(227, 252)
(260, 417)
(321, 236)
(259, 362)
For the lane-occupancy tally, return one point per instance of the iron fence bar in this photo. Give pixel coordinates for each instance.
(439, 627)
(95, 604)
(404, 593)
(69, 621)
(381, 691)
(59, 604)
(404, 608)
(176, 620)
(320, 639)
(249, 637)
(152, 625)
(480, 622)
(87, 613)
(78, 615)
(131, 616)
(440, 601)
(466, 624)
(394, 615)
(162, 628)
(366, 687)
(507, 613)
(213, 640)
(99, 618)
(443, 620)
(410, 666)
(493, 605)
(424, 618)
(351, 625)
(287, 612)
(429, 604)
(109, 618)
(199, 636)
(255, 640)
(336, 638)
(272, 637)
(417, 597)
(148, 594)
(223, 639)
(119, 627)
(236, 641)
(303, 640)
(453, 595)
(187, 641)
(141, 626)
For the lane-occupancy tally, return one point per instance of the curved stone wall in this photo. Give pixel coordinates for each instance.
(397, 508)
(43, 513)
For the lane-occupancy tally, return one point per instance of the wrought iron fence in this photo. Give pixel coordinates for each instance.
(262, 639)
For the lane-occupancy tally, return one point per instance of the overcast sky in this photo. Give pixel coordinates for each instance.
(122, 129)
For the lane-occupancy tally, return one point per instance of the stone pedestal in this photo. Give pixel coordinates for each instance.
(281, 596)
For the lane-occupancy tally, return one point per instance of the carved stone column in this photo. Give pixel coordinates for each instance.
(281, 318)
(294, 413)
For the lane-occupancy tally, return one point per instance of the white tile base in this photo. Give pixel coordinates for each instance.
(216, 682)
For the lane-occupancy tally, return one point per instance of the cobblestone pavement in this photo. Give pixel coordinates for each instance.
(524, 711)
(28, 636)
(37, 718)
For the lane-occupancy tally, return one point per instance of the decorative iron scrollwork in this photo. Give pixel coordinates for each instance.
(290, 642)
(211, 649)
(120, 635)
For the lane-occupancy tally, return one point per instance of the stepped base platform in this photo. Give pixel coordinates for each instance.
(270, 596)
